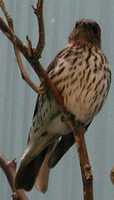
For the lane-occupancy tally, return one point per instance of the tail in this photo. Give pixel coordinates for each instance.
(42, 179)
(34, 171)
(63, 146)
(26, 175)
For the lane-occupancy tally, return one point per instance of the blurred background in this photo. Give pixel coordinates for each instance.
(17, 100)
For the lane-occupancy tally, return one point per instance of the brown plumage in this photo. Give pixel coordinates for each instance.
(82, 75)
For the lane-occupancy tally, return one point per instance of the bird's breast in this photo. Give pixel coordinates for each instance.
(82, 80)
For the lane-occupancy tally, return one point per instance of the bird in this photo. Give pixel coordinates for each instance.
(82, 75)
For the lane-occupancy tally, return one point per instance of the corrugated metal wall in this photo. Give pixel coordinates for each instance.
(17, 100)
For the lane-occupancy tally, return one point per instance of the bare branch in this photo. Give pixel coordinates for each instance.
(30, 49)
(38, 10)
(10, 35)
(85, 166)
(6, 14)
(9, 169)
(24, 73)
(6, 168)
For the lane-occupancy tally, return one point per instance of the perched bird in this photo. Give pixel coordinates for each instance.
(82, 76)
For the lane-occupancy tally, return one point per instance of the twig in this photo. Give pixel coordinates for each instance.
(38, 10)
(23, 71)
(10, 35)
(78, 134)
(7, 16)
(35, 64)
(9, 169)
(30, 49)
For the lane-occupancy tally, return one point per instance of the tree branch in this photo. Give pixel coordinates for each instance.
(85, 166)
(10, 35)
(23, 71)
(9, 169)
(38, 10)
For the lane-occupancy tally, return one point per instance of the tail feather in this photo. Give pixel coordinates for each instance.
(42, 179)
(63, 146)
(26, 175)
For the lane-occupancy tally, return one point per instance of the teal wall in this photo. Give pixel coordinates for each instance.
(17, 100)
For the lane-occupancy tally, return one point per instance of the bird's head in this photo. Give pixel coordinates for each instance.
(86, 31)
